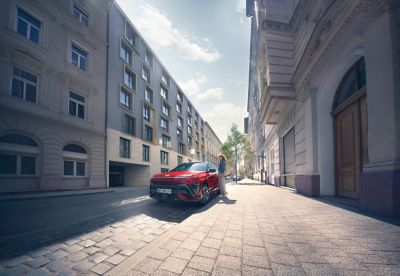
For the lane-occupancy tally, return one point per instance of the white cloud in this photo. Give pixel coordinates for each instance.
(192, 88)
(221, 117)
(241, 10)
(158, 29)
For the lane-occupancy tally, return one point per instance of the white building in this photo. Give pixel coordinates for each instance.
(323, 97)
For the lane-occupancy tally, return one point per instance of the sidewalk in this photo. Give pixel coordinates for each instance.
(61, 193)
(262, 230)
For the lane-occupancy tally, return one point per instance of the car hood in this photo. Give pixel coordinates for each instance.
(176, 177)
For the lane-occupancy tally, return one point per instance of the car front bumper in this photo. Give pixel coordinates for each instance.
(179, 192)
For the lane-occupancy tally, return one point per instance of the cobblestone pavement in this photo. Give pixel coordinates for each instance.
(263, 230)
(92, 246)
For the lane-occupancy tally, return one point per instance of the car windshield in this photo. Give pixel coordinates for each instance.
(193, 167)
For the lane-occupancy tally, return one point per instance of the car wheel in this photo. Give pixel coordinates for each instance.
(205, 194)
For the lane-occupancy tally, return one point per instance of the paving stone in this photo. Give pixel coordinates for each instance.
(201, 263)
(255, 271)
(163, 272)
(175, 265)
(87, 243)
(101, 268)
(58, 265)
(283, 258)
(73, 248)
(281, 269)
(57, 254)
(73, 241)
(148, 238)
(111, 250)
(207, 252)
(231, 251)
(148, 265)
(229, 262)
(16, 261)
(39, 272)
(183, 253)
(105, 243)
(83, 265)
(233, 242)
(212, 243)
(16, 270)
(197, 235)
(222, 271)
(67, 272)
(216, 235)
(161, 254)
(116, 259)
(256, 260)
(127, 251)
(98, 257)
(37, 262)
(319, 269)
(38, 253)
(191, 244)
(193, 272)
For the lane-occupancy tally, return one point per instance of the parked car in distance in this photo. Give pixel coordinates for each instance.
(193, 181)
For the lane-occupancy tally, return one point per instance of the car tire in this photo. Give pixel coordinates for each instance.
(205, 194)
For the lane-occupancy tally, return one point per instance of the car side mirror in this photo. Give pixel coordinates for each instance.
(212, 170)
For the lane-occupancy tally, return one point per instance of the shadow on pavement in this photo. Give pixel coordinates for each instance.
(19, 245)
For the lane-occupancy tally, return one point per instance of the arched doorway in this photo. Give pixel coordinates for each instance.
(350, 130)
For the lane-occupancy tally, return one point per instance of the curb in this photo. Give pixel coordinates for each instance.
(30, 197)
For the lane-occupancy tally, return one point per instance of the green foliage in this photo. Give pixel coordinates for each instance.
(233, 147)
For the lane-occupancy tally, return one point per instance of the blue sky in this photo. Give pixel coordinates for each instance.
(204, 44)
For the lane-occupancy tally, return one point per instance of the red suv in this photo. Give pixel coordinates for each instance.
(192, 181)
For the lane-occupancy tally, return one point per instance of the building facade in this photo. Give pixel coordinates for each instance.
(323, 98)
(151, 125)
(52, 94)
(212, 145)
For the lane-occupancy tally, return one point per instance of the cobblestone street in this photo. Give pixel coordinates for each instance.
(256, 230)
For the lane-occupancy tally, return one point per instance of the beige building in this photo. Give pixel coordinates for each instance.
(212, 145)
(323, 98)
(52, 94)
(151, 125)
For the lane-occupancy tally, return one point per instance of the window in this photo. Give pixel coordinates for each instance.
(181, 148)
(179, 108)
(180, 160)
(164, 157)
(166, 141)
(75, 157)
(148, 133)
(196, 125)
(163, 92)
(197, 116)
(197, 137)
(131, 36)
(179, 96)
(164, 170)
(24, 85)
(180, 122)
(28, 26)
(76, 105)
(78, 57)
(21, 162)
(164, 124)
(189, 120)
(148, 95)
(129, 79)
(125, 98)
(190, 141)
(124, 148)
(79, 14)
(145, 153)
(126, 54)
(129, 125)
(146, 73)
(165, 109)
(179, 134)
(189, 129)
(165, 78)
(146, 113)
(189, 108)
(148, 57)
(197, 145)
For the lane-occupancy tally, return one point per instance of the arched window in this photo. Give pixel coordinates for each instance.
(353, 81)
(18, 155)
(75, 160)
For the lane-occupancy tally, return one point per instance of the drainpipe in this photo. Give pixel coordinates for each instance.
(106, 99)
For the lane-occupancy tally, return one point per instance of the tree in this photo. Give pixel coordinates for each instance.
(249, 155)
(233, 147)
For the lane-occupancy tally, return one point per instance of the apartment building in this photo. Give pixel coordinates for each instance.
(52, 94)
(151, 125)
(213, 145)
(323, 98)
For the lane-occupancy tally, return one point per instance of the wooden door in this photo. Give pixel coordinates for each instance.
(347, 150)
